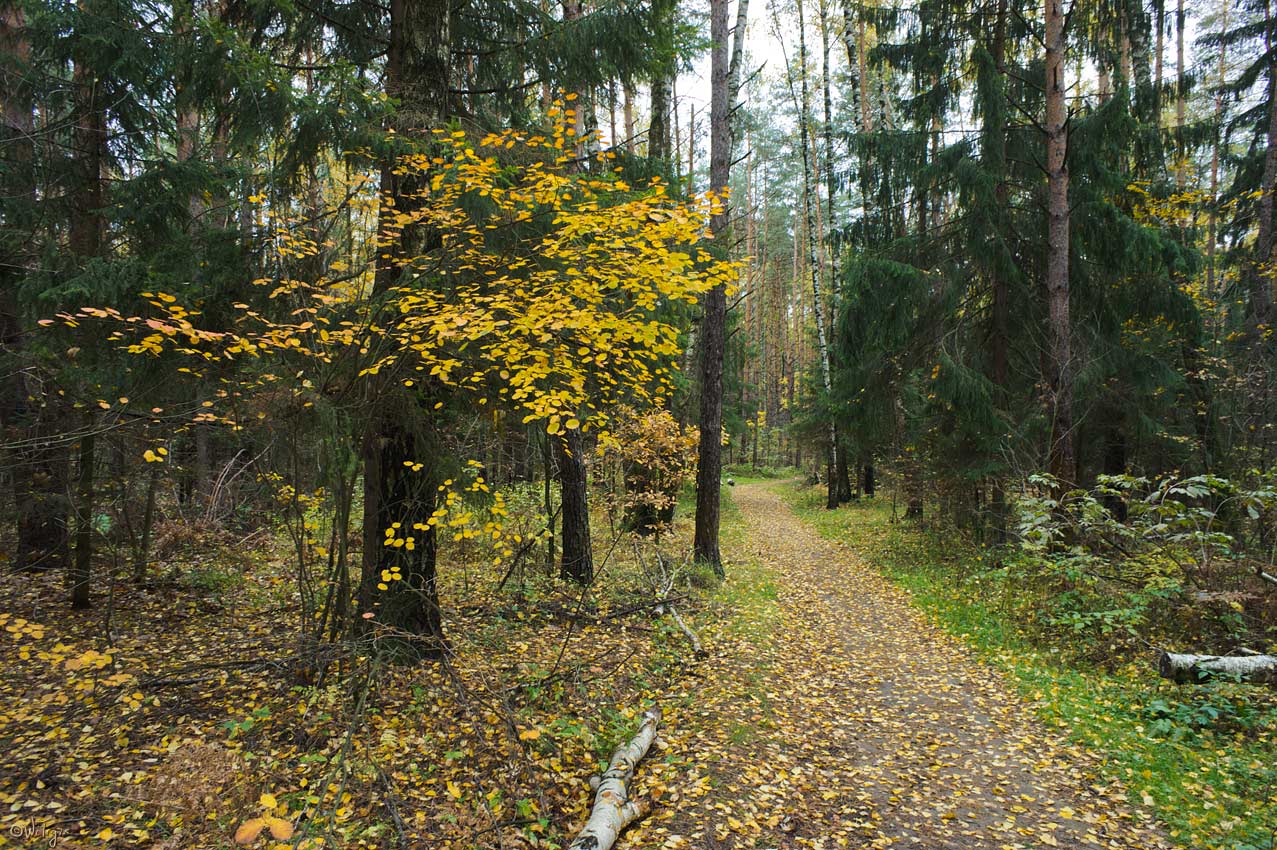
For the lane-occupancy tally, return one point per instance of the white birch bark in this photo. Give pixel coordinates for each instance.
(613, 810)
(1193, 668)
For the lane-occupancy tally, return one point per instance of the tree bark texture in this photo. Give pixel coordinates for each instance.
(417, 75)
(1063, 460)
(1196, 668)
(724, 81)
(577, 560)
(714, 307)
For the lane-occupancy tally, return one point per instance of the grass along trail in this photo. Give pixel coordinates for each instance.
(857, 722)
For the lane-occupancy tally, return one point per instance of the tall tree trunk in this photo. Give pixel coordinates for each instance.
(843, 483)
(810, 189)
(577, 563)
(1181, 153)
(1063, 461)
(995, 140)
(724, 82)
(30, 413)
(417, 75)
(1212, 224)
(1159, 48)
(85, 238)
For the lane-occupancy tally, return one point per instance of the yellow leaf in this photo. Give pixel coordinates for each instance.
(280, 829)
(529, 734)
(249, 830)
(454, 790)
(268, 801)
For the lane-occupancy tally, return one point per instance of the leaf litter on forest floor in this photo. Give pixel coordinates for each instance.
(827, 713)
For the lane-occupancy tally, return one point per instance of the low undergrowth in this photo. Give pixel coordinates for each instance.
(1204, 757)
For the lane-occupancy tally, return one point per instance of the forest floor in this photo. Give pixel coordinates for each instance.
(862, 724)
(828, 712)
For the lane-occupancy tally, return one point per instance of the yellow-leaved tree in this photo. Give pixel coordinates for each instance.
(543, 290)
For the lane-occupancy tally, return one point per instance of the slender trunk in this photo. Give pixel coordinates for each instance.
(628, 112)
(1060, 378)
(822, 340)
(142, 556)
(1159, 48)
(577, 564)
(857, 56)
(78, 580)
(1181, 154)
(1212, 224)
(85, 237)
(548, 500)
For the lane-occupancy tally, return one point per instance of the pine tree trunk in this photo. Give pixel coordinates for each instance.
(1063, 461)
(724, 80)
(577, 563)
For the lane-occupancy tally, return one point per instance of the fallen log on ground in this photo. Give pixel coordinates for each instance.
(613, 810)
(1196, 668)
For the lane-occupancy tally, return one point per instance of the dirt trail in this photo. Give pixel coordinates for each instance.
(881, 730)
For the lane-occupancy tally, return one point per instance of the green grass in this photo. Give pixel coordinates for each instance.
(1204, 757)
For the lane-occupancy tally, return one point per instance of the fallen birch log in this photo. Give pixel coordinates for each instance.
(1195, 668)
(613, 810)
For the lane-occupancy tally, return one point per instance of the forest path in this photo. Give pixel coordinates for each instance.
(882, 730)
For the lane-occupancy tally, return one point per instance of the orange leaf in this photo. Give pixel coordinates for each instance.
(249, 830)
(280, 829)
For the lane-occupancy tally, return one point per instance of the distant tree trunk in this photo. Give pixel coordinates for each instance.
(627, 91)
(818, 307)
(1060, 357)
(548, 498)
(844, 477)
(724, 81)
(417, 75)
(1181, 153)
(1212, 226)
(1159, 49)
(142, 555)
(871, 485)
(78, 579)
(577, 563)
